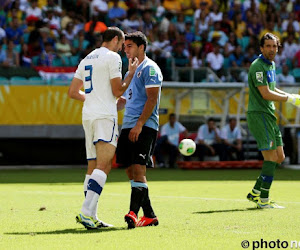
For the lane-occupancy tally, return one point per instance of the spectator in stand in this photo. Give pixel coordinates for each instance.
(215, 61)
(180, 24)
(63, 47)
(217, 32)
(93, 28)
(132, 22)
(292, 21)
(180, 56)
(280, 58)
(226, 24)
(189, 34)
(238, 25)
(231, 44)
(250, 56)
(69, 32)
(215, 15)
(2, 54)
(53, 21)
(47, 56)
(290, 47)
(52, 6)
(34, 10)
(25, 60)
(236, 58)
(202, 23)
(269, 28)
(2, 35)
(285, 77)
(168, 141)
(148, 22)
(209, 141)
(290, 30)
(116, 14)
(254, 26)
(203, 7)
(161, 51)
(12, 57)
(196, 57)
(99, 8)
(231, 134)
(14, 32)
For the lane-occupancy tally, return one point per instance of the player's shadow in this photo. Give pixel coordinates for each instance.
(226, 211)
(70, 231)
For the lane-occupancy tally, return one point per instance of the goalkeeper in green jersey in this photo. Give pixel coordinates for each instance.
(262, 120)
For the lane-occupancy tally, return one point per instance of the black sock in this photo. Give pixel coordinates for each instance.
(137, 197)
(146, 206)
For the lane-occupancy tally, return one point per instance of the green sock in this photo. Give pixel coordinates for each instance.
(256, 188)
(267, 175)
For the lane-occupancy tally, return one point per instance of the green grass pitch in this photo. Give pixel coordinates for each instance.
(196, 210)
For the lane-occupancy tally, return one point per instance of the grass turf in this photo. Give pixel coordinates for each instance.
(196, 210)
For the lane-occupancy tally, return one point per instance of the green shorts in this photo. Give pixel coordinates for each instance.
(265, 130)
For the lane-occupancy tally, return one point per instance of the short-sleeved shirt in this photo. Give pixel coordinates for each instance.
(172, 132)
(231, 135)
(261, 73)
(209, 137)
(96, 70)
(147, 75)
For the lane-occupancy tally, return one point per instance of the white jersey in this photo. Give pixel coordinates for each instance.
(96, 70)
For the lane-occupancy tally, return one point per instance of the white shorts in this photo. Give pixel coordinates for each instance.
(105, 130)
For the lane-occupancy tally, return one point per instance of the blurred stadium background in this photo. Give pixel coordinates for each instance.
(42, 41)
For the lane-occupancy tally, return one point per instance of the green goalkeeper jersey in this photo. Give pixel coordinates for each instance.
(261, 72)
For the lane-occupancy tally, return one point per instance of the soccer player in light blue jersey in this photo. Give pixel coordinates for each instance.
(140, 126)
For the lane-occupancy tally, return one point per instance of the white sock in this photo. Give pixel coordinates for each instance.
(96, 182)
(85, 183)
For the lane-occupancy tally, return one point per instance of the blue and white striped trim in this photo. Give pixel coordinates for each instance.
(111, 135)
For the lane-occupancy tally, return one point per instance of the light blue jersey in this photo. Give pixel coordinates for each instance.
(147, 75)
(173, 133)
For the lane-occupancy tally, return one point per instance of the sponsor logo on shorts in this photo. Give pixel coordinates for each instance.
(143, 156)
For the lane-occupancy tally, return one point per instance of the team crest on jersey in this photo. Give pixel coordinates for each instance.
(259, 76)
(152, 71)
(139, 74)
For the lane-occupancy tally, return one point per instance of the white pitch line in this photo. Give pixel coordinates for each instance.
(152, 196)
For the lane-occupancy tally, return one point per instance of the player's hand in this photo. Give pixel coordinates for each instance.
(294, 99)
(134, 133)
(121, 103)
(132, 65)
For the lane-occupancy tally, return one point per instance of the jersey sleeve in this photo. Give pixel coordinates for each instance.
(115, 66)
(79, 72)
(181, 127)
(258, 76)
(153, 77)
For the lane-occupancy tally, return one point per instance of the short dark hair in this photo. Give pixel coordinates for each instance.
(111, 32)
(172, 115)
(269, 36)
(211, 119)
(138, 38)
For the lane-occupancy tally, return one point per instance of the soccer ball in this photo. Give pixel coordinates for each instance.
(187, 147)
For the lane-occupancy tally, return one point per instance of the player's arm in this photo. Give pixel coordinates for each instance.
(117, 85)
(271, 95)
(75, 91)
(152, 96)
(121, 103)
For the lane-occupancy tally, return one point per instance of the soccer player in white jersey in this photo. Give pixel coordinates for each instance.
(100, 75)
(139, 129)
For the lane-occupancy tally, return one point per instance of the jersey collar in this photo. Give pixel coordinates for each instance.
(264, 59)
(145, 59)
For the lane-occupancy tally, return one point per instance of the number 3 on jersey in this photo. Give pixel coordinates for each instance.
(89, 78)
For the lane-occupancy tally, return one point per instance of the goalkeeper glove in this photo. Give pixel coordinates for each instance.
(294, 99)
